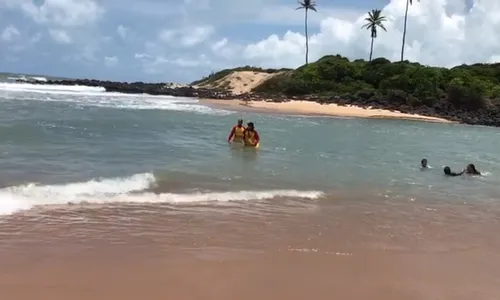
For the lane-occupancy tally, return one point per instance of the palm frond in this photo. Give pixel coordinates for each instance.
(375, 19)
(367, 26)
(307, 4)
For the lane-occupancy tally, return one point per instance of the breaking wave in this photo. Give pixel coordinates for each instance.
(98, 97)
(133, 189)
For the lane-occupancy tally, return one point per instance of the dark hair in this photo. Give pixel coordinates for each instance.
(447, 170)
(250, 124)
(424, 160)
(473, 168)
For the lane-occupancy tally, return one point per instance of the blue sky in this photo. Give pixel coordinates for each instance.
(166, 40)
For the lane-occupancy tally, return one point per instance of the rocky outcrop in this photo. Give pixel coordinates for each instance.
(144, 88)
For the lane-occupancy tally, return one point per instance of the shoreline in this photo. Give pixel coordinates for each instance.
(310, 108)
(257, 102)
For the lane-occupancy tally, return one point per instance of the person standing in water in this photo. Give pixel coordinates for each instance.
(237, 133)
(251, 136)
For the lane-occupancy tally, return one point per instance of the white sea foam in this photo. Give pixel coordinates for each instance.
(97, 96)
(122, 190)
(23, 78)
(39, 78)
(28, 87)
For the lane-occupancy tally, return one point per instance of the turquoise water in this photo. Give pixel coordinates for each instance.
(73, 144)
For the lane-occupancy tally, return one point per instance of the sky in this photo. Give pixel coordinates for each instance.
(183, 40)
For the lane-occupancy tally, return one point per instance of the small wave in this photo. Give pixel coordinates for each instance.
(39, 78)
(98, 97)
(133, 189)
(28, 87)
(23, 78)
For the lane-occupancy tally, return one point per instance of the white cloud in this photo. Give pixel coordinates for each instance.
(288, 15)
(10, 36)
(186, 37)
(220, 44)
(142, 56)
(162, 65)
(110, 61)
(60, 36)
(63, 13)
(86, 55)
(440, 32)
(9, 33)
(196, 36)
(122, 31)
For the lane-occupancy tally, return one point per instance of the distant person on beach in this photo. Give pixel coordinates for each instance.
(423, 164)
(251, 136)
(471, 170)
(237, 133)
(448, 172)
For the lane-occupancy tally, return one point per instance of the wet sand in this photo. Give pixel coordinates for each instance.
(279, 249)
(311, 108)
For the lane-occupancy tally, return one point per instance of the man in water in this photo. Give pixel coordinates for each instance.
(423, 164)
(237, 132)
(448, 172)
(251, 137)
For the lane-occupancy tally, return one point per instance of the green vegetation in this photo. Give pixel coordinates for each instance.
(214, 76)
(401, 83)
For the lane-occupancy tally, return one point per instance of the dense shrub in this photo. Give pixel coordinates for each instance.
(464, 87)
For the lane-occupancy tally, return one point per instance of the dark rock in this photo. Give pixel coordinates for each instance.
(144, 88)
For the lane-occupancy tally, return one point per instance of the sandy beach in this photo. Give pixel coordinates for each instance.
(314, 108)
(268, 250)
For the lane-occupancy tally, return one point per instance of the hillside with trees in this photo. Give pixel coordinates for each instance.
(454, 93)
(466, 93)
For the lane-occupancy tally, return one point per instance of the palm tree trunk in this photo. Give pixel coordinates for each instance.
(371, 49)
(307, 39)
(404, 31)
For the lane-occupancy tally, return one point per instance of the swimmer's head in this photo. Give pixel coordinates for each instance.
(250, 125)
(447, 170)
(240, 122)
(423, 163)
(471, 169)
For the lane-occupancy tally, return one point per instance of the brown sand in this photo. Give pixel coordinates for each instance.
(280, 249)
(240, 82)
(314, 108)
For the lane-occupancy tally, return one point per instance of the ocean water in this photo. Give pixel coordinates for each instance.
(73, 144)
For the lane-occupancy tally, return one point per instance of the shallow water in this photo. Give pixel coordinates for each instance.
(63, 137)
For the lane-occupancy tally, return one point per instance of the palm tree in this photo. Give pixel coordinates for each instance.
(307, 5)
(408, 3)
(374, 20)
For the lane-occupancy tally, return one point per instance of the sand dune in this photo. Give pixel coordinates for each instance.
(240, 82)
